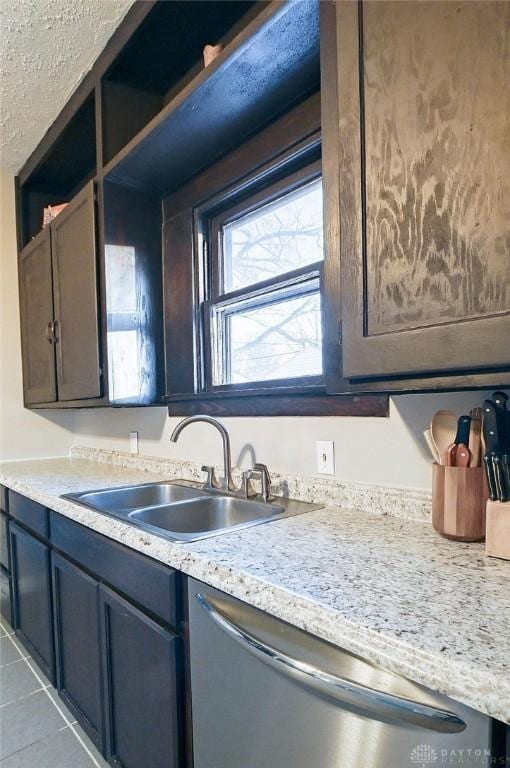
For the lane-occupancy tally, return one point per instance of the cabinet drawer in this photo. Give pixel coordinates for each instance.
(3, 498)
(30, 513)
(150, 584)
(4, 545)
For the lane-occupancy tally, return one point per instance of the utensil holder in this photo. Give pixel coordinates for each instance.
(459, 497)
(497, 539)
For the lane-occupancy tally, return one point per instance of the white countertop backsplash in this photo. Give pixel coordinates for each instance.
(367, 573)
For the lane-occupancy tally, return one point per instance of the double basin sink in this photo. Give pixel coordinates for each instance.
(185, 511)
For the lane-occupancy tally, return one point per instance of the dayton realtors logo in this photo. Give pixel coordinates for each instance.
(423, 755)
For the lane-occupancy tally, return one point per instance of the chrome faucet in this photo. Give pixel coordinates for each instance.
(227, 482)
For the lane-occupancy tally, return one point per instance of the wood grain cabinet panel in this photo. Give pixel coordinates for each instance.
(76, 302)
(36, 310)
(424, 186)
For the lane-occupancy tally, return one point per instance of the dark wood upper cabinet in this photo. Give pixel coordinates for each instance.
(414, 127)
(59, 307)
(36, 310)
(74, 252)
(423, 135)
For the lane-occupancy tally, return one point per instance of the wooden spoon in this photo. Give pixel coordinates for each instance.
(475, 438)
(443, 429)
(431, 445)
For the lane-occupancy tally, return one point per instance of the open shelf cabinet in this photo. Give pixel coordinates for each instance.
(64, 170)
(271, 64)
(162, 57)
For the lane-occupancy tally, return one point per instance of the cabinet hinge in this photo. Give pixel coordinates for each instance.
(339, 333)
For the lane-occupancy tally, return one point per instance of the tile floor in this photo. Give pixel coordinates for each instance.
(36, 729)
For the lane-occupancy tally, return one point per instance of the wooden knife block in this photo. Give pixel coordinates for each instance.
(497, 543)
(459, 497)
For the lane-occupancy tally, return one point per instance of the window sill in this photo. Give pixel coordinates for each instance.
(290, 402)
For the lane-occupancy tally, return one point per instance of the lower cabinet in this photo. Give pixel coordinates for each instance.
(103, 623)
(31, 592)
(140, 666)
(77, 647)
(117, 618)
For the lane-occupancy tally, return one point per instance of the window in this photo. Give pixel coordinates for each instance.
(263, 318)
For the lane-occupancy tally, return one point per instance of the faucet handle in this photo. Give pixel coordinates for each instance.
(265, 478)
(246, 487)
(265, 481)
(209, 483)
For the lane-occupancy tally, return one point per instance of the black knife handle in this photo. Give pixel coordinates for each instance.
(463, 427)
(500, 400)
(490, 428)
(505, 472)
(491, 481)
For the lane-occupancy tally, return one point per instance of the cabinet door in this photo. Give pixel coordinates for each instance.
(36, 314)
(74, 255)
(32, 604)
(424, 186)
(140, 670)
(4, 541)
(5, 595)
(76, 608)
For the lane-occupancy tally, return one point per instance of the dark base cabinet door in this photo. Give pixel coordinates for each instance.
(31, 590)
(5, 595)
(78, 667)
(141, 677)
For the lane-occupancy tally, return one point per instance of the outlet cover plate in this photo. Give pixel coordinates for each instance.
(133, 442)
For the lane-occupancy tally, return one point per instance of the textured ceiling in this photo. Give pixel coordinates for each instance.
(46, 47)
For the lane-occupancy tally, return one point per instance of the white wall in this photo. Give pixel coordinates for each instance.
(389, 451)
(23, 433)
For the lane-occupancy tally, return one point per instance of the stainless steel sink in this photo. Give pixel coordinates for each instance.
(147, 495)
(184, 511)
(198, 516)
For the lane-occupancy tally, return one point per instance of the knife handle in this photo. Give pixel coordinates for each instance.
(490, 427)
(463, 428)
(491, 482)
(500, 400)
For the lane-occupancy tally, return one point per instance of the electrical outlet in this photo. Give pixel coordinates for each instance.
(133, 442)
(325, 457)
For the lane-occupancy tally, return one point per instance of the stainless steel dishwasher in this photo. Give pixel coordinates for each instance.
(268, 695)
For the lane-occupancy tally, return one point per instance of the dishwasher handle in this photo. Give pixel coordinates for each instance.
(371, 702)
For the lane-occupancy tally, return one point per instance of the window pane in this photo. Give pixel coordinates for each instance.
(279, 340)
(277, 238)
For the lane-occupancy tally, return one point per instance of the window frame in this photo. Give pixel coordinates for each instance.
(288, 142)
(256, 192)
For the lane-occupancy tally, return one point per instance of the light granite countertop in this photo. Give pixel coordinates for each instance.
(386, 588)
